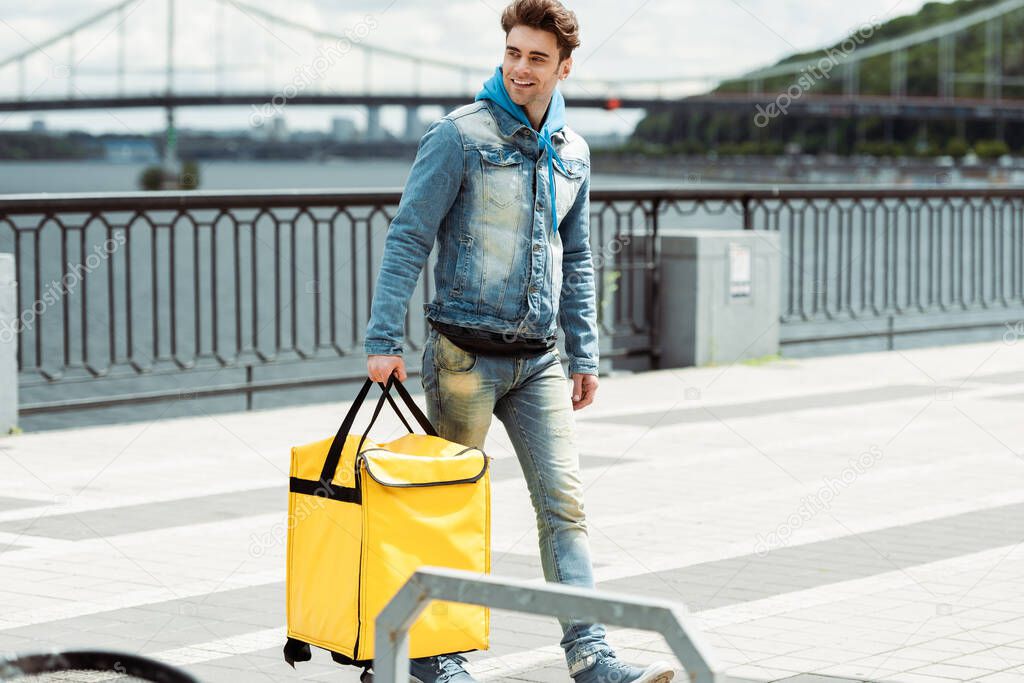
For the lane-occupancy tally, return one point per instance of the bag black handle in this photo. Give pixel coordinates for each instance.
(334, 452)
(398, 412)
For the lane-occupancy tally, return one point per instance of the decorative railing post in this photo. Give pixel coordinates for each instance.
(8, 345)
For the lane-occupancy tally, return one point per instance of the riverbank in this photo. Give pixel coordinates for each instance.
(786, 169)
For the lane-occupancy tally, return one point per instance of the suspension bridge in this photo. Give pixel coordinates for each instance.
(234, 53)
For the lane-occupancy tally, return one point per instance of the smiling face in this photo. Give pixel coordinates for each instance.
(531, 69)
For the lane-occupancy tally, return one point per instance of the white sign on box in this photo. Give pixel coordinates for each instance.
(739, 271)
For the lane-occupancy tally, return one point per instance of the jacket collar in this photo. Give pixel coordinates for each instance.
(509, 125)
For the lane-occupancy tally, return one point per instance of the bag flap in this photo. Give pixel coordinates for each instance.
(422, 460)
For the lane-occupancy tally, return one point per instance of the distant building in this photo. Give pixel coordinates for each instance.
(272, 128)
(343, 129)
(130, 150)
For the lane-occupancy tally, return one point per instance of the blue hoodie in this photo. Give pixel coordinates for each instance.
(494, 90)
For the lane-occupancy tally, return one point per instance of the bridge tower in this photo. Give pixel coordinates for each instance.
(373, 127)
(412, 123)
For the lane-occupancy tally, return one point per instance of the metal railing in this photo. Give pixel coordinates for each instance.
(391, 629)
(867, 267)
(140, 297)
(879, 266)
(144, 297)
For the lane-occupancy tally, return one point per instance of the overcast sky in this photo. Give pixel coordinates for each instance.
(621, 39)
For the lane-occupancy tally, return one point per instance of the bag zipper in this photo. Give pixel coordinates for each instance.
(468, 480)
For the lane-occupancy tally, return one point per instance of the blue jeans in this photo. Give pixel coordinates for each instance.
(531, 398)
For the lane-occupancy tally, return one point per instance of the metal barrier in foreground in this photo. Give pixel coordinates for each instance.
(391, 644)
(120, 665)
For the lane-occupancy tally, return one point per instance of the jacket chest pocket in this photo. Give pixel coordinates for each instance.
(502, 176)
(567, 184)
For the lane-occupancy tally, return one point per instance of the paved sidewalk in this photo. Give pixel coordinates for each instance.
(857, 517)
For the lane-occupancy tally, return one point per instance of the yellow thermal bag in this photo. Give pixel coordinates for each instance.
(363, 516)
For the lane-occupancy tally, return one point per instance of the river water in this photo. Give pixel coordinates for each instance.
(92, 176)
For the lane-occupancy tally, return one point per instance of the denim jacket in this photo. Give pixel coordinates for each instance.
(479, 188)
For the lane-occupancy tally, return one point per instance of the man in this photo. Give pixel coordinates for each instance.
(503, 186)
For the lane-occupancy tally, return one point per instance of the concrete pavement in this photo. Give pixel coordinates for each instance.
(856, 517)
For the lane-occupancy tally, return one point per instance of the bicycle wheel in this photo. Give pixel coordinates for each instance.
(88, 666)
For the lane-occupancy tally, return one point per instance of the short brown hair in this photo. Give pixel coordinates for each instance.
(546, 15)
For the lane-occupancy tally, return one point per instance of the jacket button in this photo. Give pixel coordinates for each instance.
(533, 289)
(536, 248)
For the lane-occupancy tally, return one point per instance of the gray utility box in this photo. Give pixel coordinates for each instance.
(8, 345)
(719, 296)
